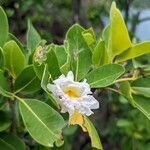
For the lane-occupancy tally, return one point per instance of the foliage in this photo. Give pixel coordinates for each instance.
(26, 70)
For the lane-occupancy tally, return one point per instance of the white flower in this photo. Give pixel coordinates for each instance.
(73, 96)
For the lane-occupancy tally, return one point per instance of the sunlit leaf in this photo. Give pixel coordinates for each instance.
(89, 37)
(119, 37)
(135, 51)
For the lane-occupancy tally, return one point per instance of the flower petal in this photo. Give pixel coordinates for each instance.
(70, 75)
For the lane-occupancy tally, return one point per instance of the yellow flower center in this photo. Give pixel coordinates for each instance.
(72, 92)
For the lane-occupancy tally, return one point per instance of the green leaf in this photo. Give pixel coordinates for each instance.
(61, 54)
(62, 57)
(38, 69)
(4, 88)
(44, 82)
(5, 146)
(135, 51)
(143, 104)
(27, 82)
(89, 37)
(14, 58)
(2, 60)
(119, 37)
(12, 37)
(4, 27)
(52, 63)
(2, 102)
(33, 38)
(38, 116)
(95, 140)
(125, 89)
(105, 75)
(79, 52)
(105, 35)
(4, 120)
(141, 86)
(13, 141)
(100, 56)
(142, 91)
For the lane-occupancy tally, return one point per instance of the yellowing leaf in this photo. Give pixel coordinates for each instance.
(119, 37)
(77, 118)
(135, 51)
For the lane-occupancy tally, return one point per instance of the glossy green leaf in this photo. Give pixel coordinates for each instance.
(80, 53)
(4, 27)
(100, 56)
(44, 82)
(42, 122)
(95, 140)
(33, 38)
(2, 60)
(135, 51)
(119, 37)
(125, 89)
(4, 88)
(14, 58)
(13, 141)
(4, 120)
(141, 86)
(104, 76)
(143, 104)
(27, 81)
